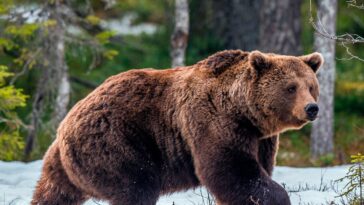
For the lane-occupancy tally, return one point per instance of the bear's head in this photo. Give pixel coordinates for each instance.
(281, 92)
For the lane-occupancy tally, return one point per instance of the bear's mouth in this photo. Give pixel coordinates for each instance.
(300, 122)
(312, 118)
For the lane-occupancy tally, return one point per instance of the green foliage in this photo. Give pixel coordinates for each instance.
(353, 190)
(294, 148)
(110, 54)
(105, 36)
(49, 23)
(349, 97)
(3, 74)
(24, 31)
(5, 6)
(7, 43)
(327, 159)
(349, 126)
(11, 144)
(93, 20)
(10, 97)
(152, 11)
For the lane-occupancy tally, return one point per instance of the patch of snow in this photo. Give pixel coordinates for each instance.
(317, 185)
(312, 186)
(31, 13)
(124, 26)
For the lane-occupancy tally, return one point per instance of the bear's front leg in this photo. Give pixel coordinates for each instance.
(231, 171)
(268, 148)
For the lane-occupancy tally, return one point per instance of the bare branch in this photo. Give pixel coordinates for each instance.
(69, 38)
(96, 50)
(14, 121)
(343, 39)
(320, 29)
(353, 3)
(83, 82)
(26, 66)
(351, 55)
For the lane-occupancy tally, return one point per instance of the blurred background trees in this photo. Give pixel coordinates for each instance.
(269, 26)
(179, 37)
(36, 36)
(322, 144)
(59, 50)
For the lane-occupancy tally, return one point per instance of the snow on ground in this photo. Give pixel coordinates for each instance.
(313, 186)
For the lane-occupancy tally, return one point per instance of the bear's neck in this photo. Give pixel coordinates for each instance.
(242, 107)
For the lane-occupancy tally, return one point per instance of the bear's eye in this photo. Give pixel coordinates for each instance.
(292, 89)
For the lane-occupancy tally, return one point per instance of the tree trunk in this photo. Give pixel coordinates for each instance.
(36, 115)
(54, 84)
(280, 27)
(58, 62)
(62, 99)
(266, 25)
(323, 128)
(180, 35)
(236, 23)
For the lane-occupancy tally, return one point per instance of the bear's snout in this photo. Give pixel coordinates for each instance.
(311, 110)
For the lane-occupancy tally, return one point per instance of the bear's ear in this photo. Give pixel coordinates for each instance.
(314, 60)
(219, 62)
(259, 61)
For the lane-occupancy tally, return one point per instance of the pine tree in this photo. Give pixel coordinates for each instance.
(11, 144)
(353, 190)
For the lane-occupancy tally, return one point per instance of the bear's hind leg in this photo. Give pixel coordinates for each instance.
(54, 186)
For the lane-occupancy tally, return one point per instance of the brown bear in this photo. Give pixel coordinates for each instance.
(145, 133)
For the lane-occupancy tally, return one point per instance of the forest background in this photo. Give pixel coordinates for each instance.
(53, 53)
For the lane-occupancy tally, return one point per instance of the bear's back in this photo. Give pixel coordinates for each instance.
(131, 90)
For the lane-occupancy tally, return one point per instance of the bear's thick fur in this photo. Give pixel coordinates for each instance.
(146, 132)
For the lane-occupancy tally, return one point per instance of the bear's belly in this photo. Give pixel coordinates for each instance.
(96, 161)
(177, 168)
(179, 176)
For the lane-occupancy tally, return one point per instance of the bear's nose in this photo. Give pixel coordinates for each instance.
(311, 111)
